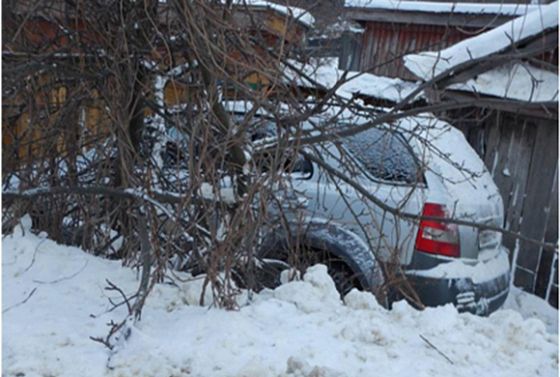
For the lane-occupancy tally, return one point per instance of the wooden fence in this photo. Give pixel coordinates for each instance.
(521, 153)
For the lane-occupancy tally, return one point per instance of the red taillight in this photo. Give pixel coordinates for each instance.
(436, 237)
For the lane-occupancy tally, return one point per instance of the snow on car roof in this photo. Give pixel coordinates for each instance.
(442, 7)
(445, 149)
(299, 14)
(429, 64)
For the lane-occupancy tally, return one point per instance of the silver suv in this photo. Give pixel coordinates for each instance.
(420, 166)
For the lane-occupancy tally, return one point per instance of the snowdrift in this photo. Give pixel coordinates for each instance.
(54, 300)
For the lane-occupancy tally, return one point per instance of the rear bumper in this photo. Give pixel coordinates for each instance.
(480, 289)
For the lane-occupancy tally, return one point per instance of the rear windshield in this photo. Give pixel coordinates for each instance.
(385, 155)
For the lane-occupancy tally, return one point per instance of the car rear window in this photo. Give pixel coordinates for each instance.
(385, 155)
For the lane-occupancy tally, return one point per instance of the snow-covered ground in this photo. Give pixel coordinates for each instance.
(299, 329)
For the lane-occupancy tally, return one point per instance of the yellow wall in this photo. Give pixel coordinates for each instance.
(176, 93)
(36, 127)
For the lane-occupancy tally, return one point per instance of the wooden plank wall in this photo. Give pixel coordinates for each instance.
(384, 44)
(521, 153)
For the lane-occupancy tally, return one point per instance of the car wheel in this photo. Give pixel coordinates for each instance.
(271, 267)
(343, 277)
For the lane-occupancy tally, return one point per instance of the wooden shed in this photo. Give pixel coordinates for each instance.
(392, 29)
(521, 152)
(34, 114)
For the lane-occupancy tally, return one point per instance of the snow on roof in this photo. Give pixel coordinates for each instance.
(327, 74)
(323, 71)
(378, 87)
(299, 14)
(429, 64)
(516, 81)
(440, 7)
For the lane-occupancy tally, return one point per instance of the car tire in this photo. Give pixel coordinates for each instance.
(271, 267)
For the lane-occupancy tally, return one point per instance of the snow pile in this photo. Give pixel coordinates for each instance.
(498, 8)
(301, 329)
(529, 306)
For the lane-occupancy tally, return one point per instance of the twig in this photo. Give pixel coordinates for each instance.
(113, 287)
(435, 348)
(34, 255)
(62, 278)
(22, 302)
(115, 327)
(145, 249)
(115, 306)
